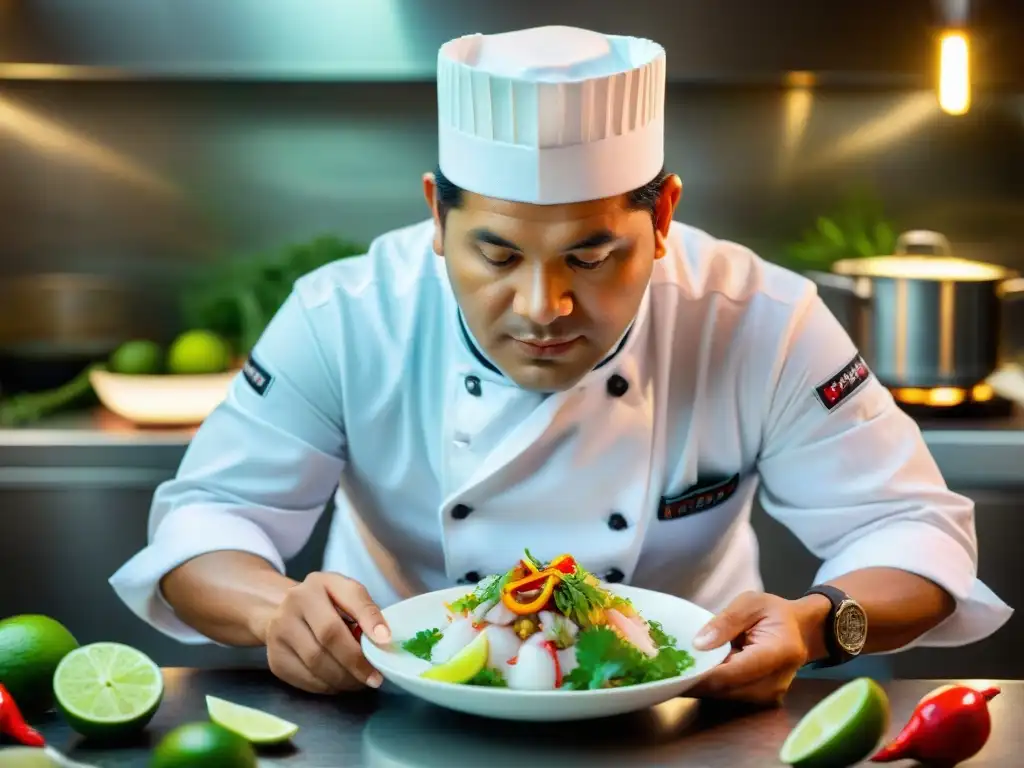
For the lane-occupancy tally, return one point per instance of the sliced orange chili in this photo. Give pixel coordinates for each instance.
(545, 580)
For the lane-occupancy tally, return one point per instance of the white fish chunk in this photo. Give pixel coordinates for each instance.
(534, 669)
(482, 610)
(500, 614)
(454, 638)
(503, 644)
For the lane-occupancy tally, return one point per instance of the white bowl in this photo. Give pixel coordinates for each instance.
(678, 617)
(161, 400)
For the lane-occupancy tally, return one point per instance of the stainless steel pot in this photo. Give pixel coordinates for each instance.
(922, 317)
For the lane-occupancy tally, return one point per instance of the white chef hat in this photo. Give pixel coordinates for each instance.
(550, 114)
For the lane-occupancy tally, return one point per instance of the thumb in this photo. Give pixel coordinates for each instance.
(737, 617)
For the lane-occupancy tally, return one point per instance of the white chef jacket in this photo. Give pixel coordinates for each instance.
(734, 378)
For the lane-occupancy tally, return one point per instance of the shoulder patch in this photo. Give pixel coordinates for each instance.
(705, 495)
(833, 391)
(257, 376)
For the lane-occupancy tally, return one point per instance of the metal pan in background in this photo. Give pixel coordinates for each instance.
(922, 317)
(52, 326)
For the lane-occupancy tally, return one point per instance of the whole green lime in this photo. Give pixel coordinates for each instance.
(31, 647)
(137, 358)
(203, 745)
(198, 352)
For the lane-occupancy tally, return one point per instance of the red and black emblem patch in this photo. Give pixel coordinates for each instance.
(847, 380)
(699, 498)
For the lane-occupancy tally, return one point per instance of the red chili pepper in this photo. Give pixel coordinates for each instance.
(553, 651)
(949, 725)
(564, 563)
(13, 724)
(513, 661)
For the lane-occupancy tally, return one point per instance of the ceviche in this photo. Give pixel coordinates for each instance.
(546, 626)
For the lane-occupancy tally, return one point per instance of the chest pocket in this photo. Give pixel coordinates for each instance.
(706, 494)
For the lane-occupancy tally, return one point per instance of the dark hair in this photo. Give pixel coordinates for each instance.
(643, 198)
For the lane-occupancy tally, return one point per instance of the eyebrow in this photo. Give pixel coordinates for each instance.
(594, 240)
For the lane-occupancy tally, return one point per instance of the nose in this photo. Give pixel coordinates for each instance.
(544, 295)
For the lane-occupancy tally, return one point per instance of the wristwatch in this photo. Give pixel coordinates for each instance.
(846, 629)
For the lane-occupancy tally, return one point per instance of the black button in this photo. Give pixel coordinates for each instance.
(617, 522)
(473, 385)
(617, 386)
(614, 576)
(461, 511)
(470, 578)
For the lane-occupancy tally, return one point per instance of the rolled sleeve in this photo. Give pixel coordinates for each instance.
(858, 486)
(258, 473)
(176, 542)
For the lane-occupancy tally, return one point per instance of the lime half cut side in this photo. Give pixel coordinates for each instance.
(251, 724)
(463, 666)
(840, 730)
(107, 690)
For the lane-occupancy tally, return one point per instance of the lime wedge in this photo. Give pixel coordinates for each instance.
(107, 690)
(842, 729)
(462, 667)
(254, 725)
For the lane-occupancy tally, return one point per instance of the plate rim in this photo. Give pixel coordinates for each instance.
(369, 648)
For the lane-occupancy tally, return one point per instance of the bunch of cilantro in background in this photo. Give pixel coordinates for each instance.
(238, 300)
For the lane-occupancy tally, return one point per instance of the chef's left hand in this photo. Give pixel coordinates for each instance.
(769, 647)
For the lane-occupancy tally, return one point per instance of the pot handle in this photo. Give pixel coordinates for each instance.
(849, 285)
(923, 241)
(1012, 288)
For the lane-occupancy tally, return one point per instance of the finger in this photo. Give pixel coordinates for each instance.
(288, 667)
(352, 597)
(737, 617)
(317, 660)
(332, 634)
(749, 666)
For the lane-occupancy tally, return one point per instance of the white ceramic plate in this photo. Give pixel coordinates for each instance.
(679, 618)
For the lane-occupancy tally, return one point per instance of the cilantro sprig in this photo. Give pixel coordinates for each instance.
(488, 677)
(422, 643)
(604, 660)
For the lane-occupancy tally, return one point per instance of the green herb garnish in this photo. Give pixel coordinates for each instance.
(488, 677)
(604, 660)
(660, 637)
(577, 599)
(422, 643)
(533, 560)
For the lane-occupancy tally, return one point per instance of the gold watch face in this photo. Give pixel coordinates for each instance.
(851, 627)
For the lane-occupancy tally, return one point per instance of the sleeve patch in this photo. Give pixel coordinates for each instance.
(833, 391)
(257, 376)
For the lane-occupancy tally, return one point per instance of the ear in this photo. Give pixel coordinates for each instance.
(430, 195)
(664, 211)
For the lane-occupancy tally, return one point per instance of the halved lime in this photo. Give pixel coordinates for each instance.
(461, 667)
(255, 725)
(842, 729)
(107, 690)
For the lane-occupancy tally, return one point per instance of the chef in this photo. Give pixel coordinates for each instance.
(551, 361)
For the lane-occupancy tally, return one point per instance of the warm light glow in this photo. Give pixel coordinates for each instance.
(943, 397)
(954, 73)
(921, 268)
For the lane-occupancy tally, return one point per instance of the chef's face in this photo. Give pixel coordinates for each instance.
(548, 290)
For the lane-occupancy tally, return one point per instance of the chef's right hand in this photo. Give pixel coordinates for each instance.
(310, 646)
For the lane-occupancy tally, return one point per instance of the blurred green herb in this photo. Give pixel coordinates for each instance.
(239, 299)
(857, 228)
